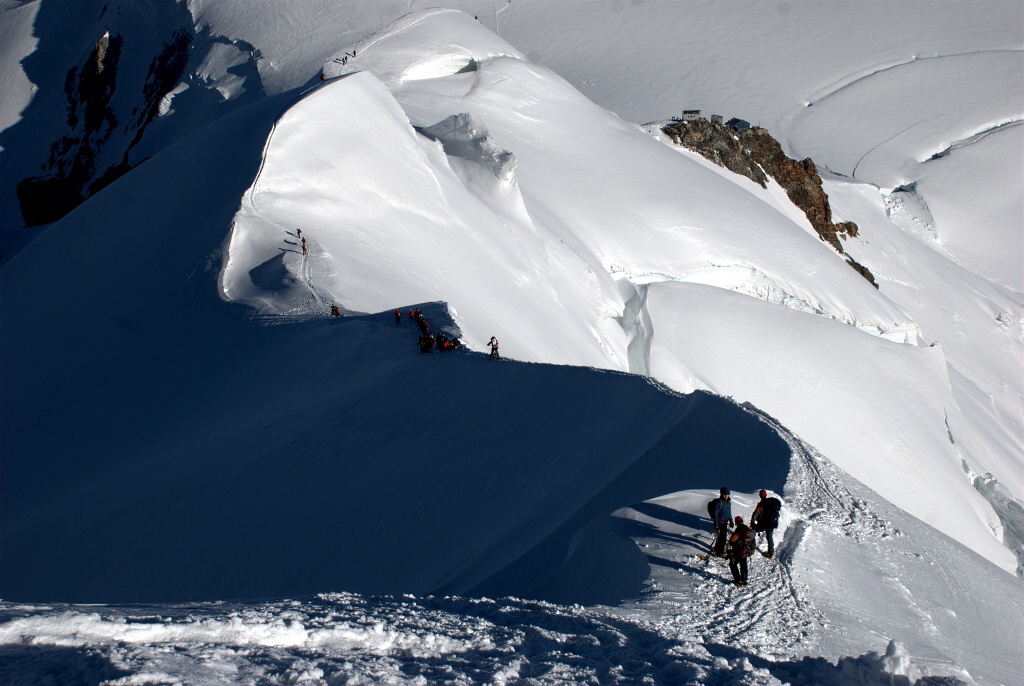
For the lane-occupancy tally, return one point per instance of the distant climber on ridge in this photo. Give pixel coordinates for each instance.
(766, 519)
(335, 310)
(398, 316)
(494, 349)
(305, 248)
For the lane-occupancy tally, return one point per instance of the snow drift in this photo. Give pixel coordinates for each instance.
(256, 445)
(181, 419)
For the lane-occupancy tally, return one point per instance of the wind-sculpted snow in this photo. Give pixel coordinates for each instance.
(464, 138)
(975, 322)
(271, 460)
(421, 45)
(181, 419)
(898, 117)
(301, 493)
(346, 638)
(973, 195)
(749, 280)
(819, 397)
(447, 230)
(536, 257)
(687, 625)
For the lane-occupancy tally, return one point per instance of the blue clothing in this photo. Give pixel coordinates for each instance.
(723, 511)
(721, 520)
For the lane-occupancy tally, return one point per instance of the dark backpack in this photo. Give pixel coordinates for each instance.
(770, 509)
(711, 509)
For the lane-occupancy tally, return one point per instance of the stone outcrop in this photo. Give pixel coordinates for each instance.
(753, 153)
(94, 149)
(719, 144)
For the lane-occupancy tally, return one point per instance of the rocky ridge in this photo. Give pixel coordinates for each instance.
(755, 154)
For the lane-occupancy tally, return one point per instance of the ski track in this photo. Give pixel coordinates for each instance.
(402, 26)
(315, 303)
(772, 617)
(765, 618)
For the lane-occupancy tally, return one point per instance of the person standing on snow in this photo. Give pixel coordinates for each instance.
(398, 316)
(494, 349)
(305, 248)
(766, 518)
(741, 545)
(722, 519)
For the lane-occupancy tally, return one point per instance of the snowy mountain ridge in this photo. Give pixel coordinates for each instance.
(196, 427)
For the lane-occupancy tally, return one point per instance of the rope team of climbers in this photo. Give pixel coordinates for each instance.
(742, 543)
(427, 342)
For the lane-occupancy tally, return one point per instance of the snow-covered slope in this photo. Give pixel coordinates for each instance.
(255, 444)
(903, 420)
(180, 419)
(923, 98)
(853, 576)
(485, 208)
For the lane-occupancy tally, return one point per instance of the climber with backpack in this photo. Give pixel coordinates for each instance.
(720, 511)
(494, 348)
(766, 519)
(742, 544)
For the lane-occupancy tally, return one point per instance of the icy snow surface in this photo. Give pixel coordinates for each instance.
(685, 625)
(184, 425)
(582, 237)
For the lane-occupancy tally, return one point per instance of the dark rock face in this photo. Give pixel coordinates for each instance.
(799, 179)
(45, 199)
(754, 152)
(94, 150)
(164, 72)
(719, 144)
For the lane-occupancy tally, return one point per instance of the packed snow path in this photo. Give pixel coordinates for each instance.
(348, 639)
(686, 623)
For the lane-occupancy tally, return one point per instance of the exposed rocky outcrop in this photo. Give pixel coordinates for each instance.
(753, 153)
(719, 144)
(45, 199)
(95, 147)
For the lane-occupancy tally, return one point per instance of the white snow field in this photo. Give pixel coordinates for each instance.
(247, 490)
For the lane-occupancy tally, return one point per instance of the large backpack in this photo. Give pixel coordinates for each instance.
(711, 509)
(770, 509)
(749, 543)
